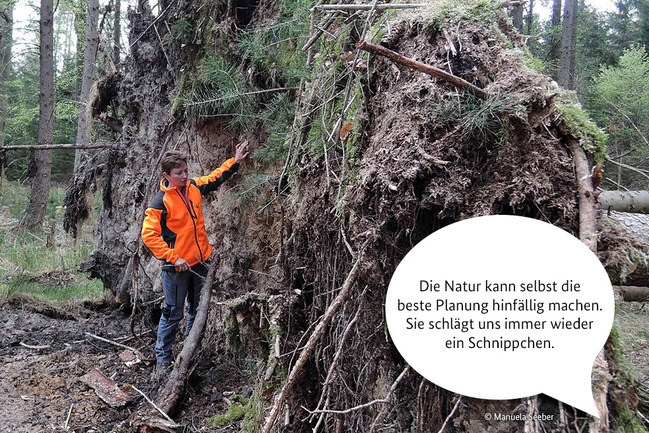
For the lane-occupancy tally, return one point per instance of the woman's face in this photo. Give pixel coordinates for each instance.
(177, 177)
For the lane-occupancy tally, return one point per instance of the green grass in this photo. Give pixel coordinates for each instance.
(29, 269)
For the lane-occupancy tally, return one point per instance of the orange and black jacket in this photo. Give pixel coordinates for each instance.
(174, 226)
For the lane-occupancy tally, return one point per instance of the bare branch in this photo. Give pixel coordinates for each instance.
(367, 7)
(422, 67)
(97, 145)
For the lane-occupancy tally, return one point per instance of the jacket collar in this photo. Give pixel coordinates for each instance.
(165, 188)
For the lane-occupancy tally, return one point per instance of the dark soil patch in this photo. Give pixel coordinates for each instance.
(40, 384)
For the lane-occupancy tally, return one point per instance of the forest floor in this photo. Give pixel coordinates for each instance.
(41, 388)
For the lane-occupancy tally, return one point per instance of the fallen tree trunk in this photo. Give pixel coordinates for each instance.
(625, 201)
(98, 145)
(633, 293)
(427, 69)
(588, 235)
(168, 397)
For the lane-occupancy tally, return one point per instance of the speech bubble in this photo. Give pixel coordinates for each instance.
(502, 307)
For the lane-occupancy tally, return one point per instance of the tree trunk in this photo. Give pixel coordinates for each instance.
(35, 212)
(569, 44)
(555, 39)
(6, 41)
(516, 13)
(633, 293)
(625, 201)
(588, 235)
(79, 30)
(84, 121)
(530, 17)
(117, 29)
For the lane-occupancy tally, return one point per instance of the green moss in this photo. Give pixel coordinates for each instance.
(235, 413)
(626, 421)
(576, 122)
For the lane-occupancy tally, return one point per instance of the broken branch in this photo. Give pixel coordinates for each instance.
(320, 30)
(422, 67)
(132, 349)
(98, 145)
(367, 7)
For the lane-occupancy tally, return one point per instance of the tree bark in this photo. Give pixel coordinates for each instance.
(6, 41)
(530, 17)
(569, 45)
(427, 69)
(588, 235)
(555, 39)
(37, 207)
(84, 120)
(117, 30)
(625, 201)
(516, 12)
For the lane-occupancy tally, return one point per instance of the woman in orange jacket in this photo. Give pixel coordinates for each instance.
(174, 231)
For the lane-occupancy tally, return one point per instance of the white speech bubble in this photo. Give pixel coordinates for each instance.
(525, 257)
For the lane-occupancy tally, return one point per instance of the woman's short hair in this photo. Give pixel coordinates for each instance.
(172, 159)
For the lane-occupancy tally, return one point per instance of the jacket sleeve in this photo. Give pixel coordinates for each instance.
(151, 235)
(213, 180)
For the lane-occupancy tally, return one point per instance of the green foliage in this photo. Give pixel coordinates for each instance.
(29, 269)
(276, 52)
(182, 32)
(620, 103)
(482, 119)
(624, 418)
(273, 60)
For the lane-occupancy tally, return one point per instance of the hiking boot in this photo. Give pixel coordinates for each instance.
(162, 370)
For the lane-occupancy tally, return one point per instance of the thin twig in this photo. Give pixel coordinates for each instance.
(47, 346)
(209, 101)
(629, 119)
(132, 349)
(383, 400)
(68, 418)
(637, 170)
(366, 7)
(98, 145)
(450, 415)
(153, 404)
(310, 345)
(320, 30)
